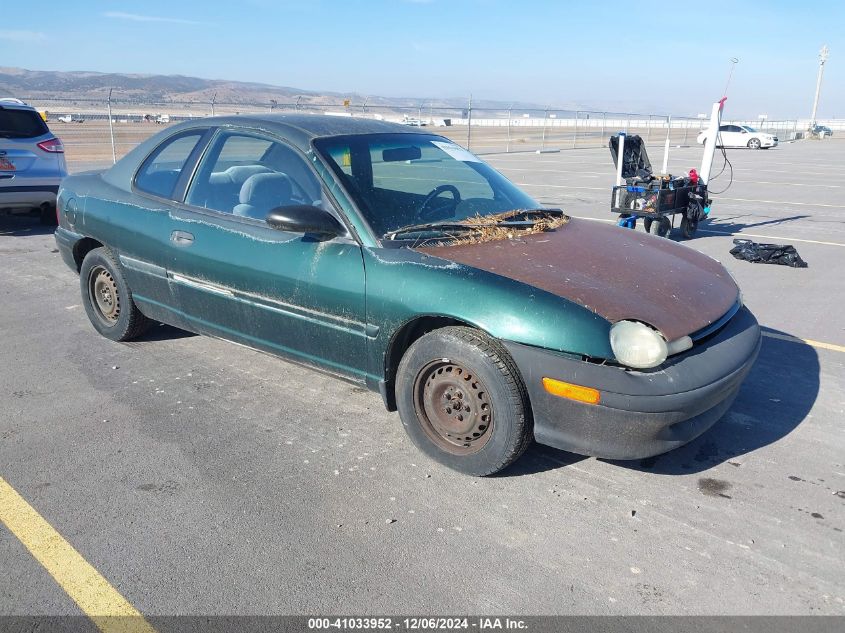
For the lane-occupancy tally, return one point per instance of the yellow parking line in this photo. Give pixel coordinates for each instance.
(806, 341)
(101, 602)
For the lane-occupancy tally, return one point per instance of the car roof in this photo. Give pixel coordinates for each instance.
(309, 125)
(10, 103)
(298, 129)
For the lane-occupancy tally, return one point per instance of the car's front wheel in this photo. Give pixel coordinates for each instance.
(462, 401)
(108, 299)
(754, 143)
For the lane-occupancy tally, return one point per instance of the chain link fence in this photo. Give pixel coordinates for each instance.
(92, 137)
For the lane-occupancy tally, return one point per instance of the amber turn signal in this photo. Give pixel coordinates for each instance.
(573, 392)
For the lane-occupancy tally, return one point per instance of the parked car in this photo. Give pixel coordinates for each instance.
(821, 131)
(32, 162)
(741, 136)
(367, 250)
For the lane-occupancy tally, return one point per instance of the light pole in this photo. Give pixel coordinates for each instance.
(111, 131)
(824, 53)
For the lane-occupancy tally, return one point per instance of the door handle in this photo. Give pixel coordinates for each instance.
(182, 238)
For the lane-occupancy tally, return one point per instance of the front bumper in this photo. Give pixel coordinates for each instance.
(642, 413)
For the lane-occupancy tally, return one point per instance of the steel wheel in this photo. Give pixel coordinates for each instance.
(102, 289)
(453, 407)
(108, 298)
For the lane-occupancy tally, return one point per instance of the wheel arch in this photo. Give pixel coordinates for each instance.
(82, 248)
(402, 338)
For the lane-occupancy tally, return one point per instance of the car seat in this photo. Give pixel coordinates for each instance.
(261, 193)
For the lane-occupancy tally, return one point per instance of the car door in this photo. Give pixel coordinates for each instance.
(238, 278)
(730, 135)
(137, 223)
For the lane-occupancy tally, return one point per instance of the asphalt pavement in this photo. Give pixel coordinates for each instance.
(199, 477)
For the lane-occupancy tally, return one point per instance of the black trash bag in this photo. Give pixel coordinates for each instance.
(783, 254)
(635, 162)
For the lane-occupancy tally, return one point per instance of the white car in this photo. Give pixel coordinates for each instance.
(741, 136)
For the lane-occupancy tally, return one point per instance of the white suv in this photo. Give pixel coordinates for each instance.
(32, 162)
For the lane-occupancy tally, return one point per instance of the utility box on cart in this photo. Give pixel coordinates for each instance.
(655, 199)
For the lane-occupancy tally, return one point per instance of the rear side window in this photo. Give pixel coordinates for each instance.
(162, 168)
(21, 124)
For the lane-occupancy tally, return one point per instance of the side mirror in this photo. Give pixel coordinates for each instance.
(303, 218)
(744, 131)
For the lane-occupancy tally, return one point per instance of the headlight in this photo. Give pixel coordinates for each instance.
(637, 345)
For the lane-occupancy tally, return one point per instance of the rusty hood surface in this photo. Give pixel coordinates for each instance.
(617, 273)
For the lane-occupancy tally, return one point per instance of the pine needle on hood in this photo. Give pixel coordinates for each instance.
(487, 229)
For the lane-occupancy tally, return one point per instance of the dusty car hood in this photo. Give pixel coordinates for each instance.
(617, 273)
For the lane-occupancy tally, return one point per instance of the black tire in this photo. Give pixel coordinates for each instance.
(458, 359)
(690, 219)
(47, 215)
(688, 227)
(114, 314)
(647, 224)
(660, 227)
(754, 143)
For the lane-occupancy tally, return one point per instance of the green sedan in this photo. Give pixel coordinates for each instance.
(398, 260)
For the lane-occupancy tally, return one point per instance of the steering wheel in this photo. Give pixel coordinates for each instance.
(425, 214)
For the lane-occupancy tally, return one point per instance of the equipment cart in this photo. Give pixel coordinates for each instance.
(655, 199)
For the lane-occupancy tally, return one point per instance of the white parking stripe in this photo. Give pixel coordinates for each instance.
(774, 238)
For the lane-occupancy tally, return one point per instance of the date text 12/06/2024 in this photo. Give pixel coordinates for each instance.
(417, 623)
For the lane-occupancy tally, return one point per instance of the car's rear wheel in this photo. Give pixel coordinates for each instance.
(754, 143)
(108, 299)
(462, 401)
(47, 215)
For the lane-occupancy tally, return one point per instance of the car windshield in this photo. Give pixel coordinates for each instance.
(750, 129)
(402, 180)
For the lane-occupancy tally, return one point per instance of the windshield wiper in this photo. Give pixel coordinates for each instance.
(525, 213)
(428, 226)
(517, 218)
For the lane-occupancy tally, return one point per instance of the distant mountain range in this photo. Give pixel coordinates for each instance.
(84, 85)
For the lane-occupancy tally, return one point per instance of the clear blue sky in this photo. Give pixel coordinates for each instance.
(604, 54)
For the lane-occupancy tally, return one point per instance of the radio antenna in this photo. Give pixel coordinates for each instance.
(734, 61)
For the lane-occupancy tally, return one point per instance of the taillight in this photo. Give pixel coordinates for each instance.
(54, 146)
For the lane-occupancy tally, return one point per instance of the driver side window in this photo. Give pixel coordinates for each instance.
(249, 176)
